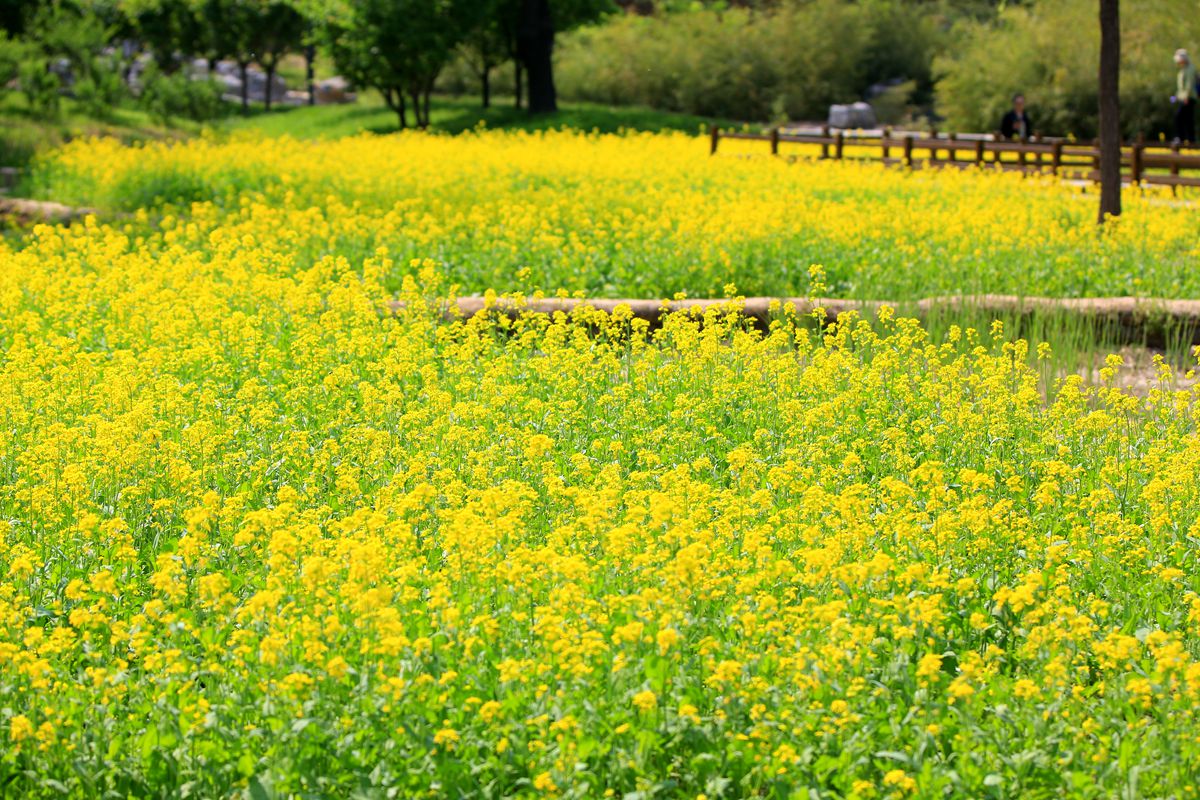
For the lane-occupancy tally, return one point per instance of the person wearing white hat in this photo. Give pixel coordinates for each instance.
(1185, 97)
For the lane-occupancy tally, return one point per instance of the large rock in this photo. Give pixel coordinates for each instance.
(333, 90)
(855, 115)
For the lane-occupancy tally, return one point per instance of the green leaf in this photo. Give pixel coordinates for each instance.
(257, 791)
(148, 743)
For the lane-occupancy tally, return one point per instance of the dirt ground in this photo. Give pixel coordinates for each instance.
(1139, 374)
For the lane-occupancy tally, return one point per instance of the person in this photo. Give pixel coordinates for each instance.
(1185, 97)
(1016, 123)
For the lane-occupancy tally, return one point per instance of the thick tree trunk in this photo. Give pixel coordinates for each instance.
(416, 99)
(535, 47)
(243, 71)
(1110, 109)
(428, 94)
(486, 80)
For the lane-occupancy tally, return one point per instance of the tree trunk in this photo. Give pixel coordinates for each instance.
(310, 55)
(416, 99)
(395, 101)
(243, 70)
(486, 79)
(535, 47)
(517, 83)
(1110, 109)
(267, 91)
(428, 94)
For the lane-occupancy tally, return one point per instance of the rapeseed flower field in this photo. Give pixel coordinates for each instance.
(264, 535)
(642, 215)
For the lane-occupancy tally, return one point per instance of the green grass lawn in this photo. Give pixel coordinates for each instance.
(458, 114)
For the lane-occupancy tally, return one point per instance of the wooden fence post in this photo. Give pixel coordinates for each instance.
(1056, 163)
(908, 148)
(775, 141)
(841, 140)
(1174, 165)
(715, 133)
(953, 152)
(1038, 155)
(1135, 162)
(884, 143)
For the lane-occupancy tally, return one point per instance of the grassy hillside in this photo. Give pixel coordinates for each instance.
(457, 114)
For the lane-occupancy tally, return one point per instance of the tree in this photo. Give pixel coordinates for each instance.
(488, 44)
(397, 47)
(535, 49)
(537, 22)
(252, 31)
(281, 30)
(234, 24)
(167, 28)
(1110, 110)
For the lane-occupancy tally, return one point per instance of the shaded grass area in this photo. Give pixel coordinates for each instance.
(24, 133)
(458, 114)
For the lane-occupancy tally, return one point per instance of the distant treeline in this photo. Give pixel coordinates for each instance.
(953, 63)
(397, 47)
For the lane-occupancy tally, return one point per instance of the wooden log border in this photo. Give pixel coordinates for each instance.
(1150, 321)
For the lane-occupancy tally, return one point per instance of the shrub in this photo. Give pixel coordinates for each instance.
(793, 61)
(12, 53)
(167, 97)
(41, 86)
(100, 90)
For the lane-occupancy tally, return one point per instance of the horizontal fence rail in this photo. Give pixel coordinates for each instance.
(1142, 163)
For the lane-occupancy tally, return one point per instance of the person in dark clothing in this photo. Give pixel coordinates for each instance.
(1017, 123)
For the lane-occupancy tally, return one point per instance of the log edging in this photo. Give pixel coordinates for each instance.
(1132, 318)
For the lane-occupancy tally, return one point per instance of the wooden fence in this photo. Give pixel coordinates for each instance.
(1141, 162)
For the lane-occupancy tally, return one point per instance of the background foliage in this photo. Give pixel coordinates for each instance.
(1023, 49)
(791, 62)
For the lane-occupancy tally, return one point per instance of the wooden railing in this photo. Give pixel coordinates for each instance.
(1141, 162)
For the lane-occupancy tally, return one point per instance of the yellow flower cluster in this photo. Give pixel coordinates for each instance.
(259, 534)
(640, 215)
